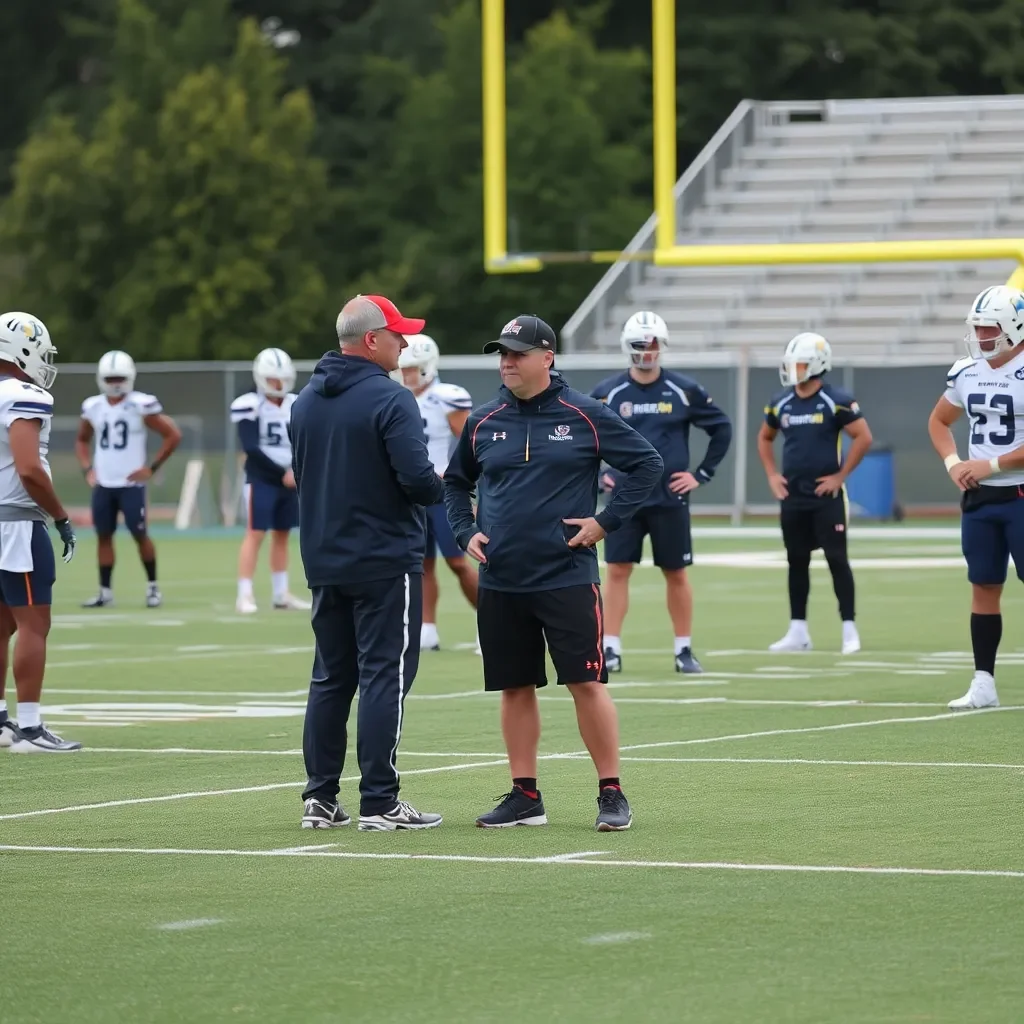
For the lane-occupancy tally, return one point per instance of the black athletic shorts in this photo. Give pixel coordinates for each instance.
(515, 630)
(669, 530)
(821, 525)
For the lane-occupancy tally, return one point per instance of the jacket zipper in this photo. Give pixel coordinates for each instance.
(527, 440)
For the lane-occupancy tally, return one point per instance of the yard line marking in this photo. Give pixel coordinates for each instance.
(818, 761)
(182, 926)
(828, 869)
(503, 762)
(297, 752)
(305, 849)
(197, 656)
(575, 856)
(611, 938)
(818, 728)
(269, 695)
(230, 792)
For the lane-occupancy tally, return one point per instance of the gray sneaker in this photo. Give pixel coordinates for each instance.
(323, 814)
(39, 740)
(401, 816)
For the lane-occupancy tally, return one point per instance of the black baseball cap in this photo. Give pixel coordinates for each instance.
(522, 334)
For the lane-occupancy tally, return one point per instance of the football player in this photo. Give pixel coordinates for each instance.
(662, 405)
(27, 500)
(989, 385)
(812, 416)
(262, 417)
(115, 467)
(445, 409)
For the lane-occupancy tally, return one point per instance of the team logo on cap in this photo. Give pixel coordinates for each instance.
(512, 327)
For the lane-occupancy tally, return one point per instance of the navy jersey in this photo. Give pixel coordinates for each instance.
(812, 435)
(663, 412)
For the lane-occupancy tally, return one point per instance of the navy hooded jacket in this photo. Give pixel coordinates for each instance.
(533, 464)
(361, 470)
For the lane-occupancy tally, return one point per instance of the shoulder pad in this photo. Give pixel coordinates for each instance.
(245, 407)
(21, 396)
(146, 404)
(601, 389)
(453, 395)
(958, 367)
(90, 404)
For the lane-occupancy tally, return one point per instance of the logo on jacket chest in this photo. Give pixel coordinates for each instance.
(627, 409)
(561, 433)
(499, 435)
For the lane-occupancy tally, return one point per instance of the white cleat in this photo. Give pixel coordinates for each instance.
(246, 606)
(851, 638)
(791, 642)
(982, 694)
(289, 602)
(39, 740)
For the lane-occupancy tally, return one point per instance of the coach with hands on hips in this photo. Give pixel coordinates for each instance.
(534, 455)
(362, 471)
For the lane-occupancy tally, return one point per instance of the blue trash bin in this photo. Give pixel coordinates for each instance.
(871, 487)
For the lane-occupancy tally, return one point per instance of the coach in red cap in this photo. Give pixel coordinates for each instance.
(362, 473)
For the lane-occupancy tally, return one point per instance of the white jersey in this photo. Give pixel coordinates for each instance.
(994, 401)
(436, 401)
(272, 420)
(120, 435)
(20, 400)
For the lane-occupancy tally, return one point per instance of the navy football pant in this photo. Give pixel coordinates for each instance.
(367, 640)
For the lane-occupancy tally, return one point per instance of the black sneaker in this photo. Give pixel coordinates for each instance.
(612, 660)
(686, 662)
(323, 814)
(516, 808)
(613, 813)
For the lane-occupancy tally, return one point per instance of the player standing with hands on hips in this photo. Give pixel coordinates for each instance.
(812, 416)
(989, 384)
(27, 500)
(533, 455)
(117, 419)
(662, 406)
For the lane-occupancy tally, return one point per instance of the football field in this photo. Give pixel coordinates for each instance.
(815, 837)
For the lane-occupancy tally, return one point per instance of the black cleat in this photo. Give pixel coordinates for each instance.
(323, 814)
(686, 662)
(613, 813)
(612, 661)
(516, 808)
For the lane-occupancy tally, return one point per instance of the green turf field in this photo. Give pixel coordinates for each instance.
(815, 838)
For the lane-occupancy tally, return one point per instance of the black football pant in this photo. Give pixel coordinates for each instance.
(367, 641)
(821, 524)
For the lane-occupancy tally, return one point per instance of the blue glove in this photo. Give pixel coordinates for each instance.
(67, 534)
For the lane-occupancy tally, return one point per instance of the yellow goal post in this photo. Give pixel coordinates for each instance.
(498, 260)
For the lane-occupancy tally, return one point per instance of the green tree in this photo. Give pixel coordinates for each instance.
(577, 118)
(182, 225)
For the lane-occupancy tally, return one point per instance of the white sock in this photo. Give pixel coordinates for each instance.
(244, 589)
(279, 582)
(3, 705)
(106, 592)
(28, 715)
(613, 643)
(798, 627)
(849, 629)
(682, 642)
(428, 635)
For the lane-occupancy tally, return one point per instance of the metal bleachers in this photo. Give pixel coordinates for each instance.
(832, 171)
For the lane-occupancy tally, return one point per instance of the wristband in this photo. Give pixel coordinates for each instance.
(86, 470)
(994, 463)
(951, 461)
(155, 465)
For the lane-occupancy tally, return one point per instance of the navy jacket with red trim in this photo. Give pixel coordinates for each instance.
(534, 464)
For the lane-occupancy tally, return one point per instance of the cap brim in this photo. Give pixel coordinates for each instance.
(513, 344)
(407, 325)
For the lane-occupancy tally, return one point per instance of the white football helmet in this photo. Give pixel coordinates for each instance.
(115, 374)
(644, 337)
(273, 364)
(25, 341)
(809, 350)
(421, 352)
(995, 323)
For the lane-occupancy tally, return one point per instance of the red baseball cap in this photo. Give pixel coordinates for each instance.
(393, 319)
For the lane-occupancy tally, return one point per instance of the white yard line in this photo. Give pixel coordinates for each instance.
(503, 762)
(184, 926)
(270, 753)
(818, 761)
(576, 860)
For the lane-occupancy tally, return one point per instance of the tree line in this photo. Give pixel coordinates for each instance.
(197, 179)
